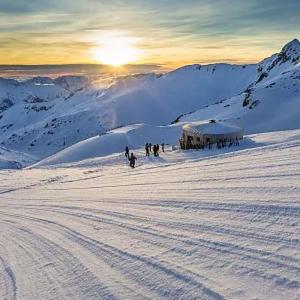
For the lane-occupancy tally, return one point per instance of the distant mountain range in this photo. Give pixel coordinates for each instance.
(23, 72)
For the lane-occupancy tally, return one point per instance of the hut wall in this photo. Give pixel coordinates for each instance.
(193, 139)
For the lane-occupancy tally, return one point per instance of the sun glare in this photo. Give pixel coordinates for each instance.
(116, 52)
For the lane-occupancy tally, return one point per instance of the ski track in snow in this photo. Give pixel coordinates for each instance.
(224, 227)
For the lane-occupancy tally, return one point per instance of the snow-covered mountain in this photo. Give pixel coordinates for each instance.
(42, 116)
(270, 103)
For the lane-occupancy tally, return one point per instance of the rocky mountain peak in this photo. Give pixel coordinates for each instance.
(287, 58)
(292, 47)
(290, 52)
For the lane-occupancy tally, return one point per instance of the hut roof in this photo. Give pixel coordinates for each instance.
(209, 127)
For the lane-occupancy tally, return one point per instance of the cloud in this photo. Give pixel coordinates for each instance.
(168, 30)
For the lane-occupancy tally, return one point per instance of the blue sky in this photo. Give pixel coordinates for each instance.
(168, 32)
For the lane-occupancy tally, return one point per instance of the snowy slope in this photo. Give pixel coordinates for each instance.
(32, 111)
(271, 103)
(225, 227)
(43, 115)
(133, 136)
(110, 147)
(161, 101)
(10, 159)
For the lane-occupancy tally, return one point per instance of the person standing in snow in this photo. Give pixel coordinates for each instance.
(154, 150)
(147, 149)
(127, 152)
(132, 160)
(163, 147)
(223, 143)
(150, 147)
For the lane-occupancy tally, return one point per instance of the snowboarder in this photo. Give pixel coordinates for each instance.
(147, 149)
(163, 147)
(132, 160)
(127, 152)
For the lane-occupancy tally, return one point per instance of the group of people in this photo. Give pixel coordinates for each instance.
(149, 148)
(155, 148)
(223, 143)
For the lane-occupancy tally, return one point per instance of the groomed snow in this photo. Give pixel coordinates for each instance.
(178, 227)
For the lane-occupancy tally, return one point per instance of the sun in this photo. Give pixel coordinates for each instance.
(116, 52)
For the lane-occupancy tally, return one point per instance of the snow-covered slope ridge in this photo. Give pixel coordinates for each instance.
(270, 103)
(220, 228)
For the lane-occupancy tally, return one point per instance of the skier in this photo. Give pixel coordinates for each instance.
(127, 152)
(147, 149)
(132, 160)
(163, 147)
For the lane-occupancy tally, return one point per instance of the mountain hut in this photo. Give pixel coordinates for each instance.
(199, 135)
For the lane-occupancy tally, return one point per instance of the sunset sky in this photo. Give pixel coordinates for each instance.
(165, 32)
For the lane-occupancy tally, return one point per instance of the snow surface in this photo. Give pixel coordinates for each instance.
(180, 226)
